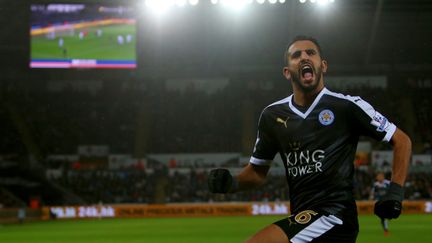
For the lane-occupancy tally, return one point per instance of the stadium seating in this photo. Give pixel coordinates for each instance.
(162, 120)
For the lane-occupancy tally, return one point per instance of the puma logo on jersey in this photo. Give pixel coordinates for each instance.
(280, 120)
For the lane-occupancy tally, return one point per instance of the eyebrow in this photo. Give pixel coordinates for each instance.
(299, 51)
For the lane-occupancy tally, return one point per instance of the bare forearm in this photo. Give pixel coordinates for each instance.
(250, 177)
(401, 157)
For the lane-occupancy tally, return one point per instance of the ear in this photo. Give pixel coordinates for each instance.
(286, 73)
(324, 66)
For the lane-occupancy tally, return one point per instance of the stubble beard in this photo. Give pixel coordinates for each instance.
(295, 77)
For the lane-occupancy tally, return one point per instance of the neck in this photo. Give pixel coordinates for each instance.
(302, 98)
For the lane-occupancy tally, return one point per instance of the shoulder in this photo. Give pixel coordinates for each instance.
(352, 101)
(342, 97)
(277, 105)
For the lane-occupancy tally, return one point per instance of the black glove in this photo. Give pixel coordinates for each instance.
(390, 205)
(220, 181)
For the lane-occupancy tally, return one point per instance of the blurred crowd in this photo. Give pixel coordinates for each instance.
(155, 119)
(171, 186)
(139, 119)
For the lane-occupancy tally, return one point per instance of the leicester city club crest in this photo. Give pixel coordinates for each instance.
(326, 117)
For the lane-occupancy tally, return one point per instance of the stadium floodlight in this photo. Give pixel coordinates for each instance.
(180, 3)
(214, 1)
(260, 1)
(193, 2)
(235, 4)
(272, 1)
(282, 1)
(322, 2)
(313, 1)
(159, 7)
(302, 1)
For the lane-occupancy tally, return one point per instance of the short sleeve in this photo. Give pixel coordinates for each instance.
(370, 122)
(265, 148)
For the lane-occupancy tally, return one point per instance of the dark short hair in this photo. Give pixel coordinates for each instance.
(301, 38)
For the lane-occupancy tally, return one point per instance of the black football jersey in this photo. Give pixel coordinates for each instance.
(318, 146)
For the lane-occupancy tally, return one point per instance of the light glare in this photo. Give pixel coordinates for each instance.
(323, 2)
(159, 7)
(235, 4)
(260, 1)
(193, 2)
(181, 3)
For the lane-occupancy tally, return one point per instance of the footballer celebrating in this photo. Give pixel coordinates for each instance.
(316, 132)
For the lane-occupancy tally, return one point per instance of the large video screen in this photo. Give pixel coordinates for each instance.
(85, 35)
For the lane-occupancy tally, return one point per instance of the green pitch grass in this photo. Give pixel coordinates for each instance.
(408, 228)
(104, 47)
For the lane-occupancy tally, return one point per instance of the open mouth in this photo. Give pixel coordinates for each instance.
(307, 72)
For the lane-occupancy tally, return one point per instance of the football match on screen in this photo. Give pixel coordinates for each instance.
(191, 121)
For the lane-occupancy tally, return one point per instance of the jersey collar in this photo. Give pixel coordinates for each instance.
(301, 114)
